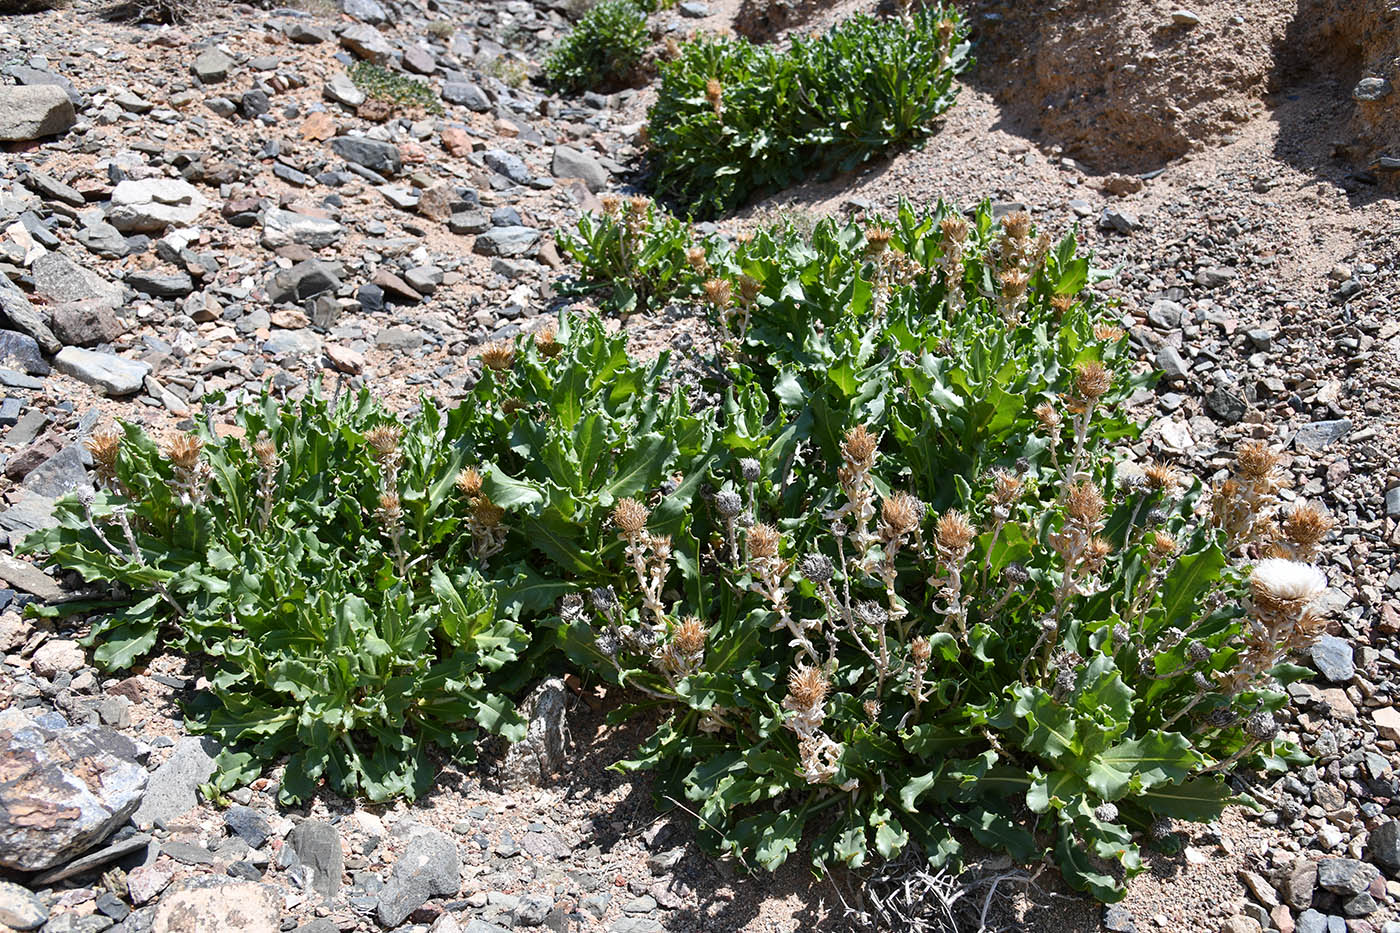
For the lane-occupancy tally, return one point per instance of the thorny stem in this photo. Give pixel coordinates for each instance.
(137, 558)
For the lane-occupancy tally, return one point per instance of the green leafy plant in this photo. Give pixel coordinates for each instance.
(927, 603)
(733, 119)
(602, 51)
(389, 87)
(634, 257)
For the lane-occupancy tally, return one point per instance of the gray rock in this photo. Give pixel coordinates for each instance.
(694, 9)
(109, 372)
(1383, 846)
(1227, 404)
(1392, 502)
(293, 343)
(1319, 435)
(1164, 314)
(93, 860)
(343, 91)
(637, 925)
(207, 904)
(506, 241)
(366, 11)
(368, 43)
(1332, 657)
(23, 74)
(58, 279)
(247, 824)
(34, 112)
(1368, 90)
(221, 106)
(166, 285)
(419, 60)
(429, 867)
(571, 163)
(1214, 276)
(1117, 919)
(173, 790)
(1120, 221)
(154, 204)
(254, 103)
(1345, 875)
(86, 323)
(31, 333)
(62, 791)
(281, 228)
(466, 94)
(1360, 905)
(306, 33)
(374, 155)
(51, 189)
(212, 66)
(507, 164)
(465, 222)
(21, 909)
(316, 845)
(306, 279)
(536, 757)
(1311, 921)
(103, 239)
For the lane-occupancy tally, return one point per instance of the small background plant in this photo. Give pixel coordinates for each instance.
(390, 90)
(603, 50)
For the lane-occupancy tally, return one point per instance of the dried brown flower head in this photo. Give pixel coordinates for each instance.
(265, 450)
(1061, 304)
(389, 509)
(673, 49)
(1084, 503)
(383, 440)
(1017, 225)
(498, 355)
(695, 256)
(488, 513)
(1048, 416)
(469, 482)
(954, 532)
(1006, 487)
(1013, 283)
(1099, 549)
(1256, 460)
(859, 446)
(611, 204)
(630, 516)
(690, 636)
(1160, 477)
(749, 287)
(807, 688)
(104, 447)
(901, 512)
(954, 228)
(1091, 380)
(547, 342)
(1108, 333)
(637, 205)
(763, 541)
(718, 292)
(1162, 545)
(183, 450)
(920, 649)
(714, 93)
(877, 240)
(946, 30)
(1306, 526)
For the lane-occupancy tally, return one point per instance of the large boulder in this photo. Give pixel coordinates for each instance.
(62, 791)
(34, 112)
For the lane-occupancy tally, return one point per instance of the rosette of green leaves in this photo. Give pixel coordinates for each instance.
(629, 273)
(602, 51)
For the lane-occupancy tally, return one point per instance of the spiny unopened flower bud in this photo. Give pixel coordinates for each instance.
(1161, 828)
(763, 541)
(1049, 626)
(1098, 550)
(383, 440)
(920, 649)
(1048, 416)
(859, 446)
(1064, 683)
(1119, 634)
(872, 709)
(1261, 725)
(728, 503)
(1015, 573)
(1147, 667)
(1255, 460)
(630, 516)
(1198, 651)
(1106, 813)
(498, 355)
(1084, 503)
(689, 638)
(714, 92)
(1157, 515)
(1017, 225)
(954, 532)
(86, 496)
(901, 512)
(1091, 380)
(469, 482)
(877, 240)
(817, 568)
(1061, 305)
(183, 450)
(389, 508)
(750, 469)
(1306, 526)
(1201, 681)
(946, 30)
(718, 292)
(603, 598)
(1220, 717)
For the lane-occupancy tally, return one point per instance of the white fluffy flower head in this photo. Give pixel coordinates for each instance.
(1287, 580)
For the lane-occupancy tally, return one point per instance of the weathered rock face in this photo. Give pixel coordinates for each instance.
(154, 204)
(34, 112)
(63, 791)
(216, 905)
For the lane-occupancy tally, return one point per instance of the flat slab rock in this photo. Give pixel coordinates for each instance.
(217, 905)
(113, 374)
(62, 791)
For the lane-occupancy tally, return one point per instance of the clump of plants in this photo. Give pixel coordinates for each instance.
(923, 600)
(633, 257)
(388, 91)
(603, 50)
(734, 119)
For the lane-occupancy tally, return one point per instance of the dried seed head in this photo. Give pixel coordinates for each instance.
(750, 469)
(1084, 503)
(630, 516)
(690, 636)
(603, 598)
(547, 342)
(946, 30)
(1255, 460)
(920, 650)
(877, 240)
(1091, 380)
(1048, 416)
(718, 292)
(1306, 526)
(1201, 682)
(954, 532)
(728, 504)
(673, 49)
(1161, 828)
(1220, 717)
(1285, 586)
(389, 509)
(763, 541)
(817, 568)
(859, 446)
(571, 607)
(901, 512)
(1061, 305)
(1162, 545)
(1017, 225)
(1119, 634)
(512, 405)
(714, 91)
(637, 205)
(104, 447)
(498, 355)
(1261, 725)
(870, 613)
(1006, 487)
(265, 450)
(1099, 549)
(1198, 651)
(807, 688)
(872, 709)
(695, 256)
(1014, 283)
(488, 513)
(1015, 573)
(749, 287)
(1160, 477)
(611, 204)
(954, 228)
(383, 440)
(469, 482)
(1108, 333)
(183, 451)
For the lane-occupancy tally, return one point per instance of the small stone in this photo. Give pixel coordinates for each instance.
(208, 903)
(212, 66)
(21, 909)
(507, 164)
(377, 156)
(1120, 221)
(571, 163)
(341, 90)
(174, 786)
(368, 43)
(1299, 884)
(1345, 875)
(1369, 90)
(1214, 276)
(1319, 435)
(506, 241)
(466, 94)
(281, 228)
(1332, 657)
(1240, 924)
(1383, 845)
(58, 656)
(429, 867)
(694, 9)
(1387, 720)
(154, 204)
(1227, 404)
(109, 372)
(316, 844)
(34, 112)
(248, 824)
(1185, 18)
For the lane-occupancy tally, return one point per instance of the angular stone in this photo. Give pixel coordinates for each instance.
(173, 790)
(154, 204)
(429, 867)
(316, 844)
(419, 60)
(94, 860)
(342, 90)
(293, 343)
(109, 372)
(571, 163)
(59, 279)
(1369, 90)
(86, 323)
(34, 112)
(373, 154)
(304, 280)
(63, 791)
(21, 909)
(1345, 875)
(466, 94)
(281, 228)
(506, 241)
(217, 905)
(368, 43)
(161, 285)
(212, 66)
(57, 656)
(1319, 435)
(509, 165)
(1332, 656)
(51, 189)
(366, 11)
(306, 33)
